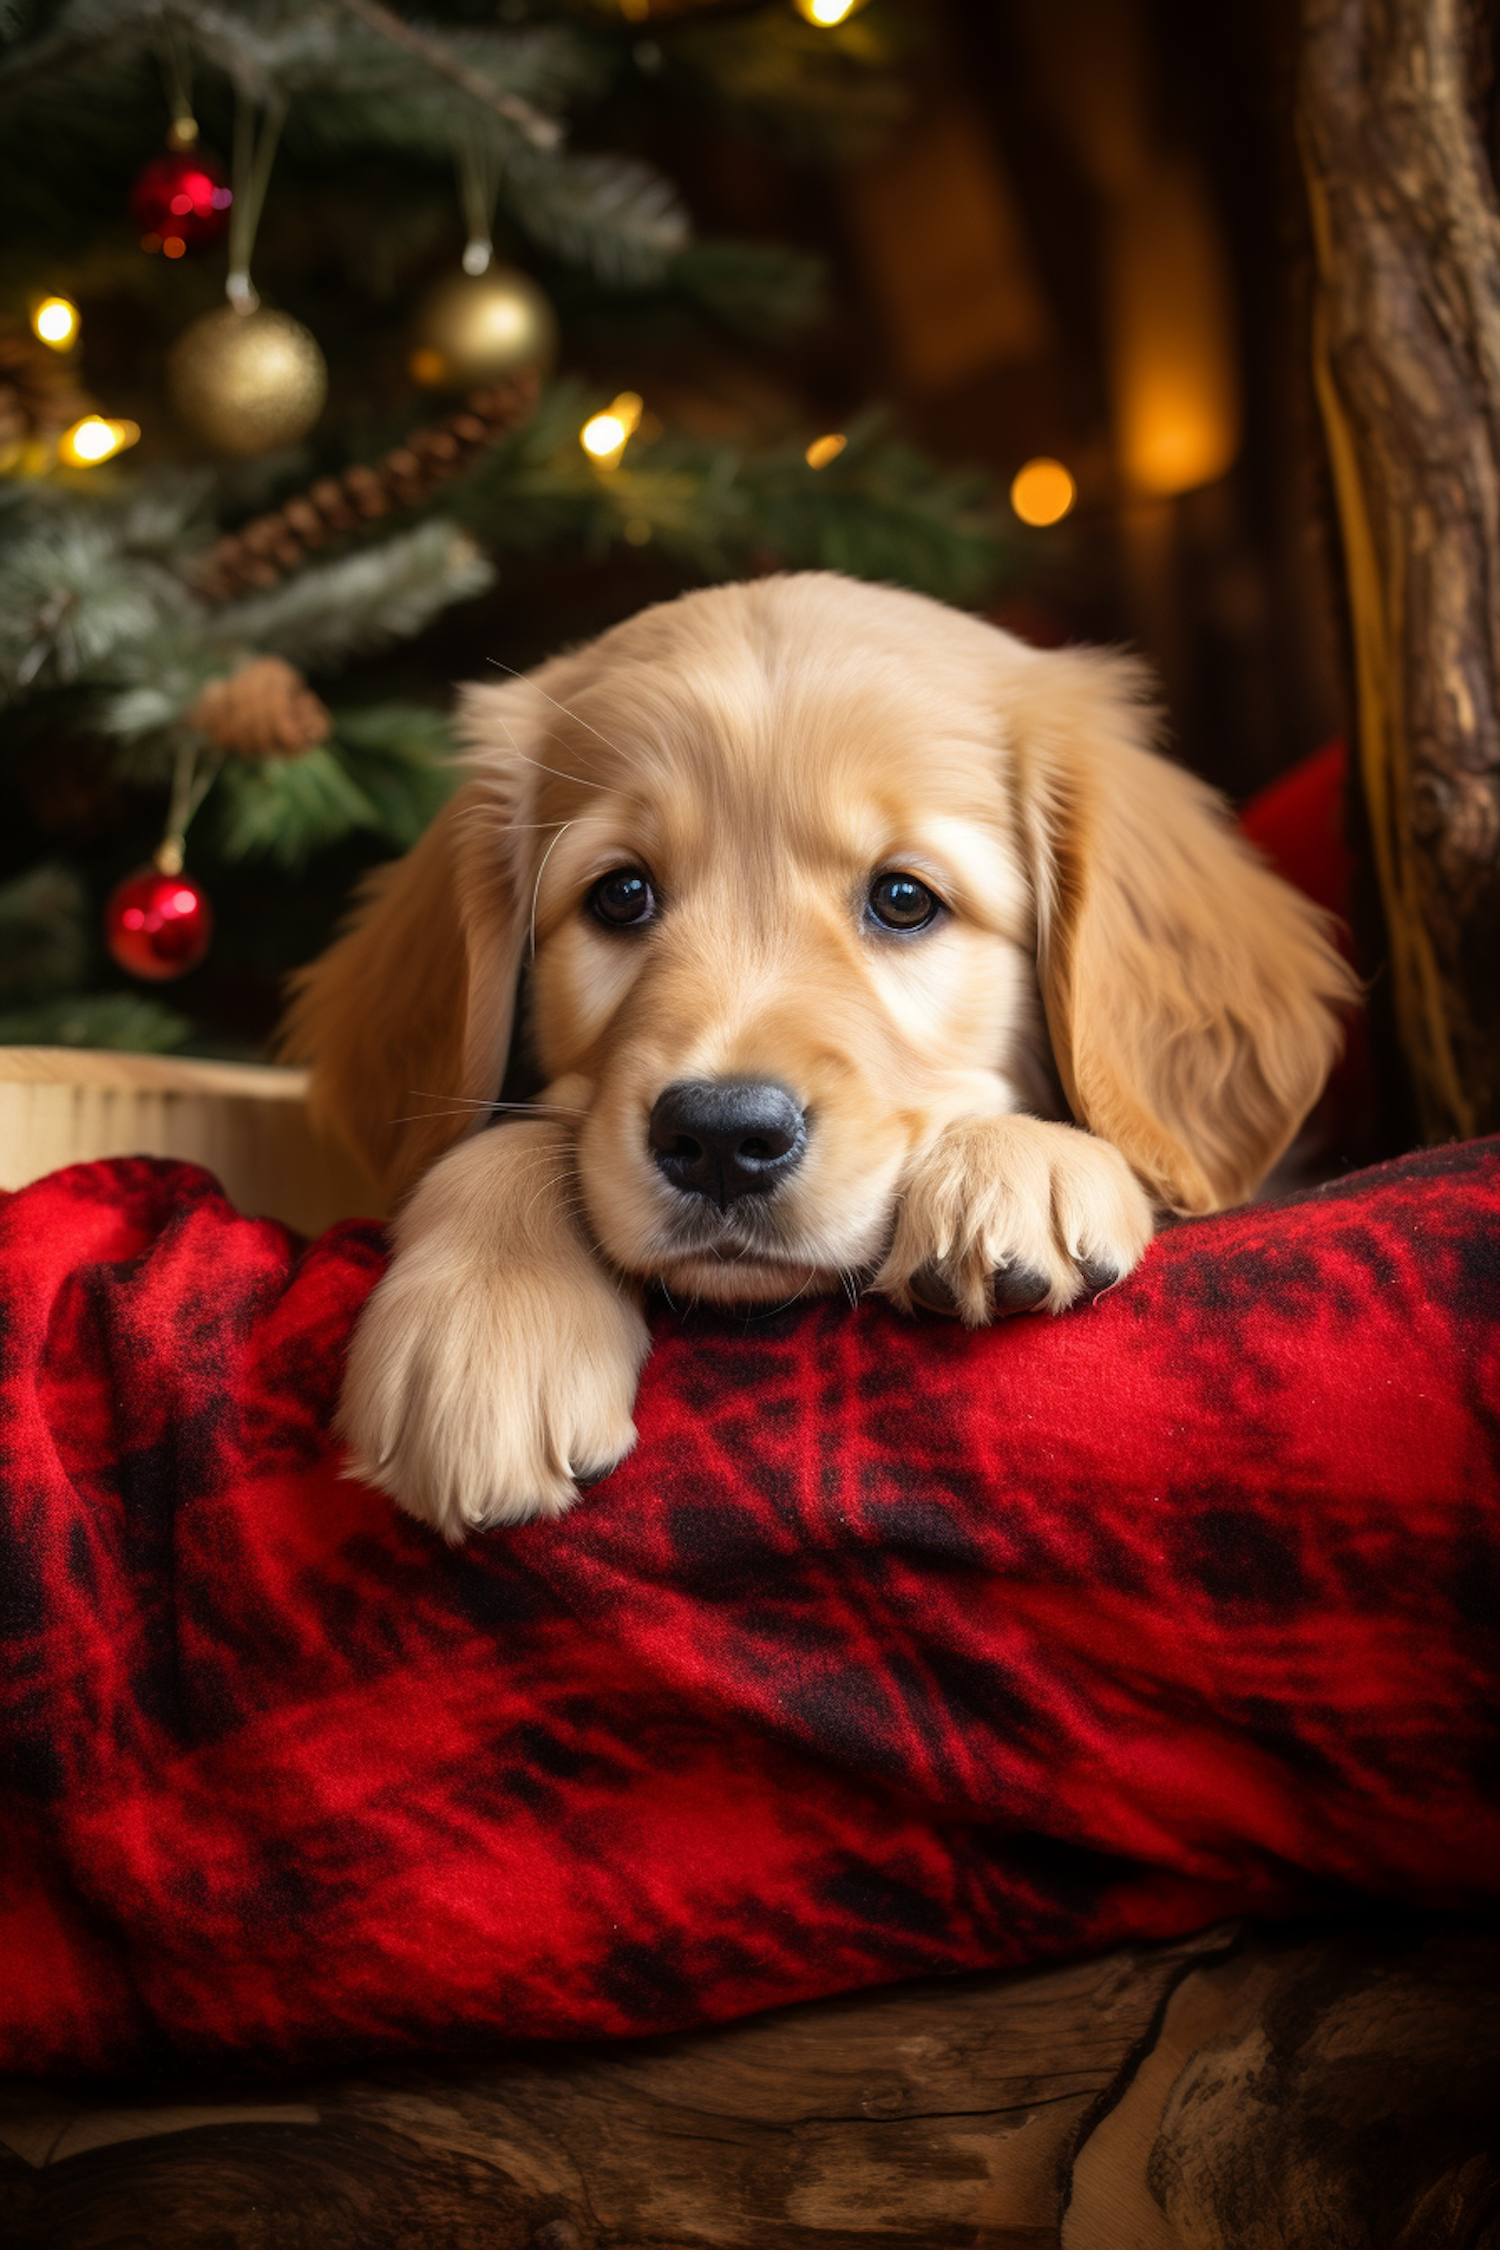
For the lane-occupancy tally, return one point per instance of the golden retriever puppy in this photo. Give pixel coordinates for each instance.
(863, 947)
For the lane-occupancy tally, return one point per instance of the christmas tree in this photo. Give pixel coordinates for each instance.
(266, 421)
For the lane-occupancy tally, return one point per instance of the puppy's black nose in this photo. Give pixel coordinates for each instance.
(727, 1137)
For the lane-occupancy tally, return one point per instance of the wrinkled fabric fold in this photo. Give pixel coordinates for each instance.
(891, 1649)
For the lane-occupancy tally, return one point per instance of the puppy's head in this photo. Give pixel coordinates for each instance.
(804, 870)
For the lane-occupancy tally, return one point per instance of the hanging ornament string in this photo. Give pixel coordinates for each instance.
(477, 161)
(490, 321)
(177, 82)
(158, 922)
(180, 200)
(248, 379)
(192, 778)
(254, 154)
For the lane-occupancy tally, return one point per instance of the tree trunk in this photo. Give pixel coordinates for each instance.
(1407, 363)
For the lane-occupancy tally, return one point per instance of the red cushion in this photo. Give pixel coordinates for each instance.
(891, 1648)
(1298, 822)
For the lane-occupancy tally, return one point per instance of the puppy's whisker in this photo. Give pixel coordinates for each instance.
(461, 1108)
(526, 760)
(567, 714)
(537, 885)
(770, 1311)
(522, 1109)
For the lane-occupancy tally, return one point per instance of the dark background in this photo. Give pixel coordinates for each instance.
(976, 284)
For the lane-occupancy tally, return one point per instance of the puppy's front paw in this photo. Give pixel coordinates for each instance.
(481, 1396)
(1008, 1214)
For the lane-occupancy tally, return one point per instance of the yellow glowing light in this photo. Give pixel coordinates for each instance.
(94, 439)
(56, 322)
(605, 436)
(1043, 492)
(1173, 439)
(826, 13)
(825, 449)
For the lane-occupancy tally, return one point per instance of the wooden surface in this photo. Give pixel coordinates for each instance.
(247, 1124)
(1245, 2090)
(1406, 228)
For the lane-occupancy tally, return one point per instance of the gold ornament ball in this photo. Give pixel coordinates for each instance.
(476, 328)
(247, 382)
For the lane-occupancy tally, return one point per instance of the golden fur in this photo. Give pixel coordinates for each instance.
(764, 750)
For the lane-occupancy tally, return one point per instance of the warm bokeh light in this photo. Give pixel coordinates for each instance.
(1177, 434)
(1174, 353)
(825, 449)
(94, 440)
(1042, 492)
(826, 13)
(605, 436)
(55, 321)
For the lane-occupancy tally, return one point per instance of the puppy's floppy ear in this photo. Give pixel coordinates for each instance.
(407, 1018)
(1191, 995)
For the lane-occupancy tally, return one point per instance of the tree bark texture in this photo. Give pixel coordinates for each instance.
(1242, 2090)
(1406, 350)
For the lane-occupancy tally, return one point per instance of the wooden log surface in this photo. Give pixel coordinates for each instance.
(1244, 2090)
(246, 1122)
(1406, 349)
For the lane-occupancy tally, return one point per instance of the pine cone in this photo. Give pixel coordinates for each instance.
(271, 546)
(265, 710)
(39, 397)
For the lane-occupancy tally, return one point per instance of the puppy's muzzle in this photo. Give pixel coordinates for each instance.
(724, 1138)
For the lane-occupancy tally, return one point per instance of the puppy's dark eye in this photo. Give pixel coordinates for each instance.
(900, 902)
(623, 899)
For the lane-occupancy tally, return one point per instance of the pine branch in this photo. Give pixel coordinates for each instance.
(350, 86)
(879, 511)
(369, 95)
(126, 1021)
(72, 594)
(44, 935)
(286, 809)
(882, 511)
(86, 34)
(387, 770)
(157, 681)
(830, 93)
(542, 132)
(611, 213)
(322, 616)
(404, 761)
(756, 289)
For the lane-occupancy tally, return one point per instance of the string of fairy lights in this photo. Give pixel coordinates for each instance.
(1042, 491)
(247, 379)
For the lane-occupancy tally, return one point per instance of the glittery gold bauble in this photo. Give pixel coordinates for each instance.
(475, 328)
(247, 382)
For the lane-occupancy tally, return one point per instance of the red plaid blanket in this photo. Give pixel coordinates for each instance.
(890, 1649)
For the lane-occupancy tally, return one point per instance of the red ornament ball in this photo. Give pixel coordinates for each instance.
(156, 925)
(180, 202)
